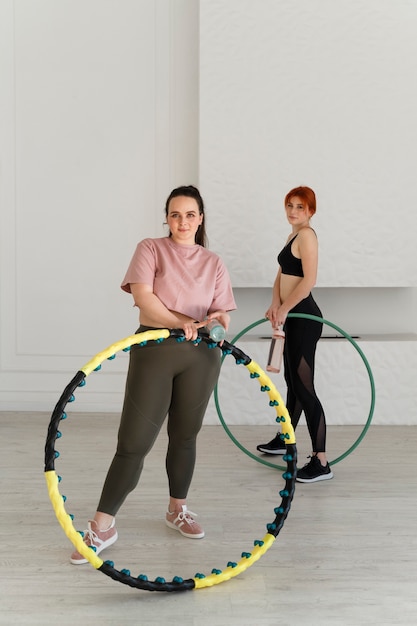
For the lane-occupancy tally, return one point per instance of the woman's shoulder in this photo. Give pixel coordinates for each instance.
(157, 241)
(212, 256)
(149, 247)
(307, 233)
(303, 234)
(153, 242)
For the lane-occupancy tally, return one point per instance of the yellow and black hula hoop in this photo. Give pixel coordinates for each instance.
(141, 581)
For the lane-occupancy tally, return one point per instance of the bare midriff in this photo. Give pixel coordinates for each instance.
(287, 285)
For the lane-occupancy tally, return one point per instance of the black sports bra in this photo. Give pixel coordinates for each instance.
(288, 262)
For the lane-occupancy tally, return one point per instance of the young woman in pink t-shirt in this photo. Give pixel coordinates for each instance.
(176, 282)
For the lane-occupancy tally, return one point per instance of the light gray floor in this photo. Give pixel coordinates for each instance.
(346, 555)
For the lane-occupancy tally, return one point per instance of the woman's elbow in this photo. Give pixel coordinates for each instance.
(308, 286)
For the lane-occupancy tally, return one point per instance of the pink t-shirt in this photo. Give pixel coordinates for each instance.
(188, 279)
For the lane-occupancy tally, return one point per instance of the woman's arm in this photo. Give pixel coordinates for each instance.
(271, 313)
(222, 316)
(154, 313)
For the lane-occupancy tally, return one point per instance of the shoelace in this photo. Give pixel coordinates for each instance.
(185, 516)
(91, 538)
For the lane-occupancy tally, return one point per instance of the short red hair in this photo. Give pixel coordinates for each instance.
(306, 194)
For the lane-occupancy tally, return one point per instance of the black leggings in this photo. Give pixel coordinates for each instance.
(301, 337)
(170, 378)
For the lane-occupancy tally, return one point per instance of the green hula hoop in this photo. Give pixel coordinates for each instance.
(361, 354)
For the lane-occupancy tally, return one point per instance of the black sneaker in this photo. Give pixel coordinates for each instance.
(275, 446)
(314, 471)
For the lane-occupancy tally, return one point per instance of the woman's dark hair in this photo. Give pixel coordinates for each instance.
(191, 192)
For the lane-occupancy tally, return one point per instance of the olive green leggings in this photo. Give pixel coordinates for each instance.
(171, 378)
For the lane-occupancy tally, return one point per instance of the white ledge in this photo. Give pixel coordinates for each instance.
(337, 337)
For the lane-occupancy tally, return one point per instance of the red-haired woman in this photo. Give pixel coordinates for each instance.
(292, 294)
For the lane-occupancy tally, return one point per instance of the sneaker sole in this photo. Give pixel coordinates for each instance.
(265, 451)
(316, 479)
(174, 527)
(104, 545)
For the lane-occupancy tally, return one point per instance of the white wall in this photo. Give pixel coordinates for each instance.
(318, 93)
(100, 119)
(98, 124)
